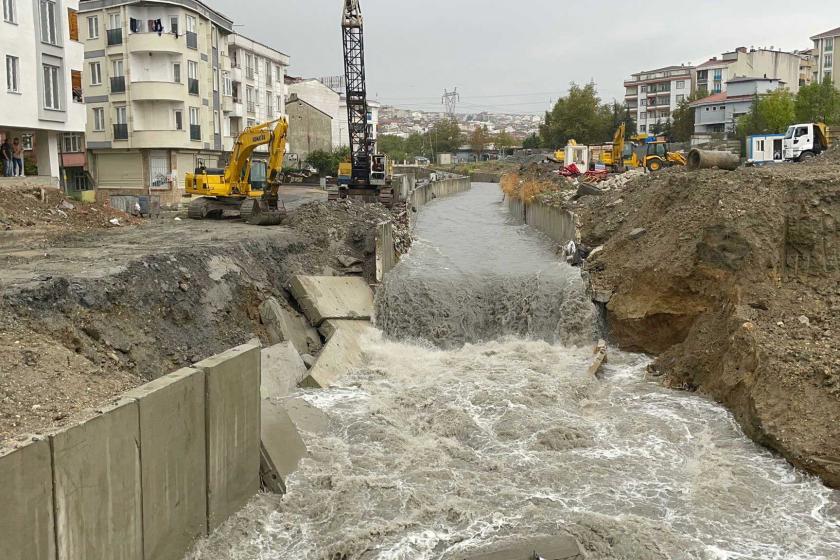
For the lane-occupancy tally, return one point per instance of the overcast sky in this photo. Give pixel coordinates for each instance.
(517, 56)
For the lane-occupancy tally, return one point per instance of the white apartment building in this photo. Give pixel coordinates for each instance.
(652, 96)
(154, 92)
(323, 98)
(42, 101)
(254, 89)
(823, 56)
(712, 76)
(344, 127)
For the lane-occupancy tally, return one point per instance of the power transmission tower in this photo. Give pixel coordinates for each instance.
(450, 99)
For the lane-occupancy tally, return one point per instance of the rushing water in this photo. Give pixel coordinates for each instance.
(433, 451)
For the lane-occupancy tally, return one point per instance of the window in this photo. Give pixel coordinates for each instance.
(95, 73)
(226, 84)
(76, 84)
(173, 24)
(118, 68)
(279, 103)
(214, 39)
(179, 119)
(269, 110)
(52, 86)
(191, 24)
(643, 102)
(12, 73)
(278, 76)
(98, 119)
(829, 59)
(192, 69)
(93, 27)
(73, 24)
(681, 84)
(718, 74)
(176, 72)
(702, 75)
(193, 115)
(9, 11)
(268, 71)
(680, 98)
(249, 66)
(215, 80)
(120, 114)
(72, 143)
(114, 21)
(257, 65)
(829, 44)
(643, 128)
(48, 21)
(643, 88)
(216, 122)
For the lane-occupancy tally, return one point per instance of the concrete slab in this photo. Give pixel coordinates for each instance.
(282, 370)
(328, 327)
(27, 527)
(286, 325)
(97, 486)
(333, 297)
(281, 439)
(233, 430)
(342, 353)
(308, 419)
(172, 442)
(546, 548)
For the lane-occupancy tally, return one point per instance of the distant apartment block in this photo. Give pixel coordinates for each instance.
(719, 113)
(823, 55)
(43, 101)
(153, 81)
(310, 129)
(324, 98)
(254, 89)
(807, 66)
(652, 96)
(712, 76)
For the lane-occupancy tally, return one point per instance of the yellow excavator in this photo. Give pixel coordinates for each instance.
(614, 157)
(246, 187)
(655, 155)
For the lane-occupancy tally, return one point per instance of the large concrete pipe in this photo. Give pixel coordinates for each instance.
(707, 159)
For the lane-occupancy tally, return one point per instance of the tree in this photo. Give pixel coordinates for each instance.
(770, 113)
(479, 140)
(327, 162)
(682, 125)
(504, 141)
(532, 142)
(818, 102)
(445, 136)
(580, 116)
(393, 146)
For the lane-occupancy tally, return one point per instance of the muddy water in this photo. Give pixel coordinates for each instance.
(433, 452)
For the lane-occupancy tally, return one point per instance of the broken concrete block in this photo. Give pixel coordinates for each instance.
(325, 297)
(282, 370)
(342, 353)
(280, 438)
(347, 261)
(286, 325)
(308, 419)
(328, 328)
(308, 360)
(586, 189)
(637, 233)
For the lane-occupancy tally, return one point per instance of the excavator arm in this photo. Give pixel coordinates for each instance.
(247, 141)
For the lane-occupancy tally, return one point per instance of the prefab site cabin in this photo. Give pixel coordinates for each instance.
(765, 148)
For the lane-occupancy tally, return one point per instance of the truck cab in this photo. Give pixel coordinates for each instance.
(804, 141)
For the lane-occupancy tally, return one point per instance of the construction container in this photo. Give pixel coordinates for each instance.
(765, 148)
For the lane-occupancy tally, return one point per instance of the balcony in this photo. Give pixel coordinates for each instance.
(236, 74)
(157, 91)
(195, 132)
(152, 42)
(227, 104)
(118, 84)
(192, 86)
(114, 37)
(121, 131)
(192, 40)
(160, 139)
(238, 109)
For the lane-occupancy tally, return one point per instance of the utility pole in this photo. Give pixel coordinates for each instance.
(450, 99)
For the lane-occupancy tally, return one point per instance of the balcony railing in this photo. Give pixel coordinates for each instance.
(249, 73)
(118, 84)
(252, 107)
(192, 40)
(121, 132)
(192, 86)
(114, 36)
(195, 132)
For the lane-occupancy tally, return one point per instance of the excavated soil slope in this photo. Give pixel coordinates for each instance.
(733, 280)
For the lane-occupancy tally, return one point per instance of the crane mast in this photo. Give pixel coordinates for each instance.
(361, 141)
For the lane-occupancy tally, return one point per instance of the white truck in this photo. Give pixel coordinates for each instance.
(804, 141)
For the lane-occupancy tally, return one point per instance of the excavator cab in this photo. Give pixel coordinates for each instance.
(658, 156)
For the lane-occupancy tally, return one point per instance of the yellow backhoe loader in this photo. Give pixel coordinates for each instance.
(655, 155)
(614, 157)
(246, 187)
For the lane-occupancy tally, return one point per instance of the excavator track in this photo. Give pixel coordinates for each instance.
(205, 208)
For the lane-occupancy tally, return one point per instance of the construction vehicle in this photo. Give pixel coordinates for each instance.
(366, 175)
(655, 155)
(804, 141)
(246, 187)
(614, 157)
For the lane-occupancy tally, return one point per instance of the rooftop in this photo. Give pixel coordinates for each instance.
(827, 34)
(195, 5)
(718, 98)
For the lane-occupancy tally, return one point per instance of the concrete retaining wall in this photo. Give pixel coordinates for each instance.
(421, 196)
(386, 253)
(144, 477)
(560, 225)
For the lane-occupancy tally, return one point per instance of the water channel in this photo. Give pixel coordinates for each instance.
(474, 422)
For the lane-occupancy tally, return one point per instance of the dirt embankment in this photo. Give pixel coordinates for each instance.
(84, 316)
(732, 279)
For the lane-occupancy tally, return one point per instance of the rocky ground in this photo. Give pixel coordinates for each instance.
(732, 279)
(90, 310)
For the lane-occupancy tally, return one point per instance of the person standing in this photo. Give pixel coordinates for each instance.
(17, 158)
(6, 154)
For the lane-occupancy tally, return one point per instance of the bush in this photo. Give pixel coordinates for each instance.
(326, 162)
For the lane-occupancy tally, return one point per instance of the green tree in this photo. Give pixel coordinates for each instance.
(504, 141)
(580, 116)
(771, 113)
(445, 136)
(418, 145)
(682, 125)
(393, 147)
(479, 140)
(532, 142)
(818, 102)
(326, 162)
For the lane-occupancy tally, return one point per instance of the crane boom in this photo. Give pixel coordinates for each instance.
(361, 141)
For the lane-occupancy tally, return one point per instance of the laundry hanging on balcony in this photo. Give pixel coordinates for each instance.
(135, 25)
(156, 26)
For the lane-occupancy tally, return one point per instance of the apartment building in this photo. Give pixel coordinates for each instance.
(42, 104)
(719, 113)
(310, 129)
(653, 95)
(154, 92)
(712, 76)
(823, 55)
(325, 99)
(254, 89)
(807, 66)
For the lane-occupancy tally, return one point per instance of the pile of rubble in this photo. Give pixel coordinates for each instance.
(34, 207)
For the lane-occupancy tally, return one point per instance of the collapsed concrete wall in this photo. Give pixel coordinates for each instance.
(146, 476)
